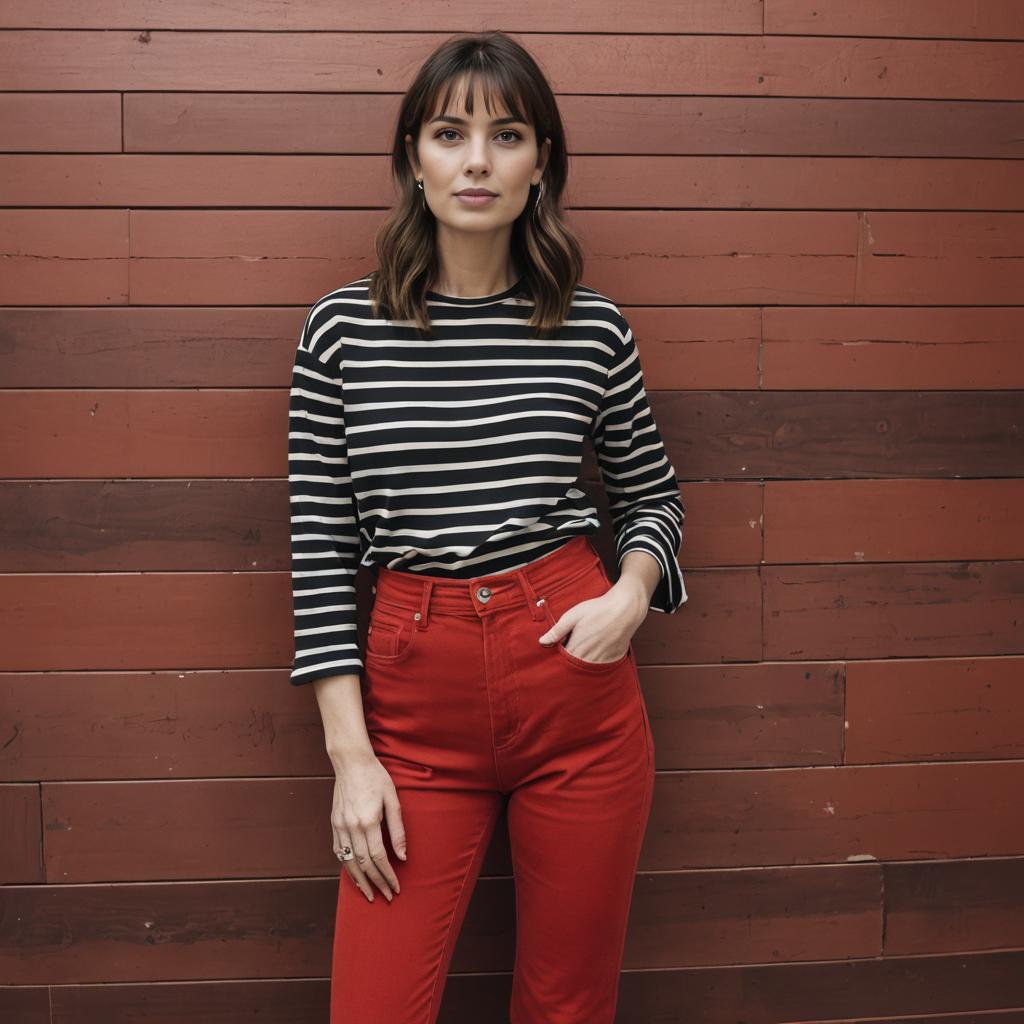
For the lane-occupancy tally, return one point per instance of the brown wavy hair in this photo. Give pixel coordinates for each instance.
(542, 243)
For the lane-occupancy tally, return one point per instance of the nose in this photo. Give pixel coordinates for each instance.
(477, 161)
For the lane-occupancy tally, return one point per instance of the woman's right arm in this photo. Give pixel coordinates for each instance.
(325, 559)
(364, 792)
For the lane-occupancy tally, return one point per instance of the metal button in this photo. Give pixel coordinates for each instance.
(484, 593)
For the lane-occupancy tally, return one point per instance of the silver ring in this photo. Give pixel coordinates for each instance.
(346, 853)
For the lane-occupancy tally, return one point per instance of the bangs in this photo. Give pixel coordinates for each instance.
(498, 90)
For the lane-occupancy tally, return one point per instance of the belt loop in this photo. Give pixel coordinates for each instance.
(531, 595)
(421, 615)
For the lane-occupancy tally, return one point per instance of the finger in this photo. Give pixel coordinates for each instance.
(558, 630)
(341, 840)
(359, 878)
(357, 865)
(379, 856)
(393, 817)
(366, 861)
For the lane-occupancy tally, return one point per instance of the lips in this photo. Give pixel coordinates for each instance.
(475, 192)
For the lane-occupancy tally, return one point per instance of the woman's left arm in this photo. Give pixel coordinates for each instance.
(643, 490)
(647, 515)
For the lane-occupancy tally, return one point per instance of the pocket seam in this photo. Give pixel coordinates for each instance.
(594, 666)
(397, 623)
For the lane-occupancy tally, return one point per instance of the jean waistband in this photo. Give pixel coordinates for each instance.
(483, 595)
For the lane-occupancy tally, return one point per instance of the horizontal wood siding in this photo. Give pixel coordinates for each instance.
(811, 211)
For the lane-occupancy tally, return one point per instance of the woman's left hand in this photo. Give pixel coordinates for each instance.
(601, 627)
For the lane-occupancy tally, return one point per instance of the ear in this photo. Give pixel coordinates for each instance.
(410, 152)
(544, 154)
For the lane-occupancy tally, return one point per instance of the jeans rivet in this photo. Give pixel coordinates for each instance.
(417, 616)
(540, 600)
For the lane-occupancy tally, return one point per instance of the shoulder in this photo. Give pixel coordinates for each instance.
(602, 313)
(341, 310)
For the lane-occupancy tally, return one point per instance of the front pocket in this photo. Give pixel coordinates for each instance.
(557, 602)
(390, 636)
(593, 666)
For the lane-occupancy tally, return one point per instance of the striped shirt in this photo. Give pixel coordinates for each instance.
(460, 456)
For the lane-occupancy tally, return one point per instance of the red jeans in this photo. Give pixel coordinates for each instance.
(468, 712)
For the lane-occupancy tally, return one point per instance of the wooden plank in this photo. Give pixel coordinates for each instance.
(899, 609)
(943, 258)
(934, 709)
(720, 993)
(686, 348)
(781, 714)
(878, 990)
(236, 828)
(745, 818)
(60, 934)
(888, 348)
(815, 434)
(25, 1004)
(990, 1017)
(622, 182)
(954, 905)
(211, 122)
(809, 913)
(893, 520)
(239, 525)
(269, 999)
(148, 525)
(932, 19)
(760, 915)
(215, 257)
(55, 122)
(1011, 1016)
(64, 256)
(118, 433)
(145, 620)
(578, 62)
(682, 347)
(21, 852)
(251, 723)
(204, 620)
(158, 725)
(149, 347)
(704, 16)
(710, 435)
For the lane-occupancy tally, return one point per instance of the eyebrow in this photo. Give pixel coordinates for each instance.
(461, 120)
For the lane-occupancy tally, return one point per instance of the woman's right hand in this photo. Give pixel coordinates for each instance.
(365, 794)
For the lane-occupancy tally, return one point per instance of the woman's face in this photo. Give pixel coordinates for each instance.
(456, 152)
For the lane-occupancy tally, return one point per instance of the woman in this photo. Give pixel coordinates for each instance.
(439, 411)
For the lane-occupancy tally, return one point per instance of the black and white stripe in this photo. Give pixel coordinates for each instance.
(459, 456)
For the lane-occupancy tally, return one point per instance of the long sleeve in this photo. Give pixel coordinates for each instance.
(324, 528)
(643, 491)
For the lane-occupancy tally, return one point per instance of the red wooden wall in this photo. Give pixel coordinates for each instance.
(810, 210)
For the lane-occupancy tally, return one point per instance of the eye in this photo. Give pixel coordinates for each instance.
(505, 131)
